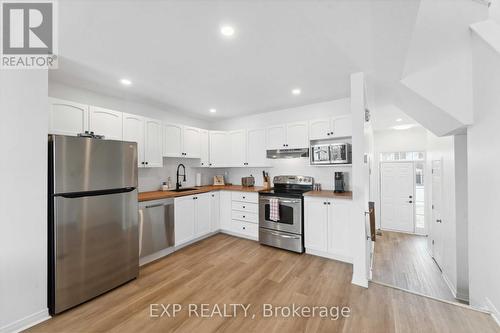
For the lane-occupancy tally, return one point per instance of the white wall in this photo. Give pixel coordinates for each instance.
(386, 141)
(64, 91)
(308, 112)
(23, 199)
(443, 148)
(484, 180)
(323, 175)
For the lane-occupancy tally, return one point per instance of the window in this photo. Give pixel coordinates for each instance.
(402, 156)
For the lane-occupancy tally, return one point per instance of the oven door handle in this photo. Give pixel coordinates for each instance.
(282, 201)
(283, 236)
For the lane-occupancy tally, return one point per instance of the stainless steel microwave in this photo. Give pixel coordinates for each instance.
(333, 153)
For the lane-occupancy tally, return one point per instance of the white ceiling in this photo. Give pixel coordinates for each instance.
(177, 59)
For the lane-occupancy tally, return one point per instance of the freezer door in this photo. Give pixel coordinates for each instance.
(86, 164)
(96, 246)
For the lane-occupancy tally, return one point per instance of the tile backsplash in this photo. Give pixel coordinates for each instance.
(150, 179)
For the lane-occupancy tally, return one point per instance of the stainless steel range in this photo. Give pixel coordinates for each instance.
(281, 212)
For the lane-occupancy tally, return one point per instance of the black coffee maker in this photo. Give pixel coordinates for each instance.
(340, 182)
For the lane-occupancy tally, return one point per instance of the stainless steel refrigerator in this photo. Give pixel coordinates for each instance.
(93, 217)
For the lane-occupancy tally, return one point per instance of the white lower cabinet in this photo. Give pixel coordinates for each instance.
(192, 217)
(202, 212)
(214, 211)
(315, 224)
(225, 210)
(184, 212)
(244, 215)
(326, 227)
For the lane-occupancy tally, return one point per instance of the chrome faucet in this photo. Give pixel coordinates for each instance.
(177, 182)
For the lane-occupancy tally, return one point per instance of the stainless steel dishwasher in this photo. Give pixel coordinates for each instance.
(156, 229)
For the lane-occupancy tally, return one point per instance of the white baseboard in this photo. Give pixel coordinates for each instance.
(26, 322)
(494, 311)
(329, 255)
(155, 256)
(232, 233)
(449, 284)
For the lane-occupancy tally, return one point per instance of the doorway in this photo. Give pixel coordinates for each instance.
(397, 192)
(437, 234)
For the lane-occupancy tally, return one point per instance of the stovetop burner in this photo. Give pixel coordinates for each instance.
(290, 186)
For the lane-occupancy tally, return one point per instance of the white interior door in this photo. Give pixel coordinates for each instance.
(397, 196)
(436, 226)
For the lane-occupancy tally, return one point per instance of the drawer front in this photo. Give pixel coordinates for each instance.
(245, 197)
(245, 207)
(245, 216)
(244, 228)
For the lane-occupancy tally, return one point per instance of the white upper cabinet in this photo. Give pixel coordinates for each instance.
(256, 147)
(297, 135)
(204, 148)
(181, 141)
(153, 139)
(191, 142)
(320, 129)
(219, 147)
(238, 148)
(342, 126)
(276, 137)
(67, 118)
(288, 136)
(328, 128)
(133, 130)
(172, 140)
(106, 122)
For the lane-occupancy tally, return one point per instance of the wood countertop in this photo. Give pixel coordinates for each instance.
(156, 195)
(329, 194)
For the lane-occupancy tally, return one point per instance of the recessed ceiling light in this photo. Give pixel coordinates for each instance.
(399, 120)
(126, 82)
(227, 30)
(213, 110)
(296, 91)
(403, 127)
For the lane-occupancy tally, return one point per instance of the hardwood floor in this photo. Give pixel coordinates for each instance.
(224, 269)
(402, 260)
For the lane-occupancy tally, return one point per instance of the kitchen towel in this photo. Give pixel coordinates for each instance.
(274, 209)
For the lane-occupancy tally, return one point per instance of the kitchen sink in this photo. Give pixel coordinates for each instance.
(185, 189)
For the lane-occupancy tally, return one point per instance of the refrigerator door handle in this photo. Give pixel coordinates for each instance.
(95, 193)
(141, 228)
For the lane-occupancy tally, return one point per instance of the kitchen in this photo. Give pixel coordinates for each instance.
(177, 215)
(221, 156)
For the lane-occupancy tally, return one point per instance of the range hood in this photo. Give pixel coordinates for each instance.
(288, 153)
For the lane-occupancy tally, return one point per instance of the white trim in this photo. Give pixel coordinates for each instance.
(329, 255)
(155, 256)
(449, 283)
(232, 233)
(433, 298)
(26, 322)
(493, 310)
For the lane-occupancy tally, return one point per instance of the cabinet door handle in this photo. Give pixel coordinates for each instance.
(146, 163)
